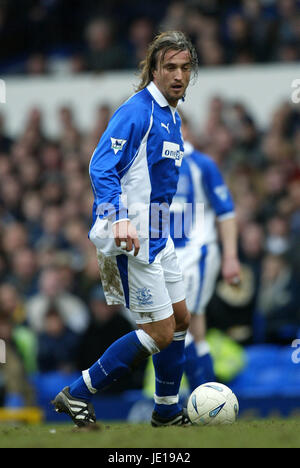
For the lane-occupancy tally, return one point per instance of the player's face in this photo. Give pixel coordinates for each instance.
(172, 75)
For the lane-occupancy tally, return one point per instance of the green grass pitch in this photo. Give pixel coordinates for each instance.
(264, 433)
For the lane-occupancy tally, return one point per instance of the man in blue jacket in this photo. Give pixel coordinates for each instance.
(134, 172)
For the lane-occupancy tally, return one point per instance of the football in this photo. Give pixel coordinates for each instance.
(212, 404)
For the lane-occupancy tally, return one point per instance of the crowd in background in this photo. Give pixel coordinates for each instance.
(114, 34)
(52, 308)
(53, 315)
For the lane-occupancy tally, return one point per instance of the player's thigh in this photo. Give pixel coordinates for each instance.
(138, 286)
(200, 272)
(198, 327)
(210, 273)
(176, 288)
(172, 273)
(182, 315)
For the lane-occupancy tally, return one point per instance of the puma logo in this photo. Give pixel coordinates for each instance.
(165, 126)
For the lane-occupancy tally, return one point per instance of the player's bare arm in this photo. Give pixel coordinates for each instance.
(230, 262)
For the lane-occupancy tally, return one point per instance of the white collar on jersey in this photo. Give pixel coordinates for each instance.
(159, 97)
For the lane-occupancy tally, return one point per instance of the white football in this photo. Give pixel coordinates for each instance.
(212, 404)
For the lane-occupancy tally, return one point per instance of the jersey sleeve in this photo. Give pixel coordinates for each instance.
(113, 155)
(217, 191)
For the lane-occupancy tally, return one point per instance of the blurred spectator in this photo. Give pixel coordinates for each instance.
(294, 221)
(37, 65)
(32, 206)
(231, 308)
(52, 228)
(274, 187)
(17, 389)
(5, 141)
(89, 38)
(29, 173)
(51, 157)
(76, 234)
(107, 325)
(288, 51)
(103, 114)
(239, 37)
(77, 63)
(277, 236)
(89, 277)
(11, 303)
(69, 138)
(140, 34)
(11, 194)
(252, 248)
(210, 51)
(14, 237)
(262, 29)
(174, 17)
(278, 300)
(71, 308)
(287, 22)
(104, 53)
(24, 272)
(57, 344)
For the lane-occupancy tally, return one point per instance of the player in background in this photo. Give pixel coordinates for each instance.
(134, 173)
(196, 236)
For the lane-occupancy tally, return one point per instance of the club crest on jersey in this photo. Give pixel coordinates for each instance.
(117, 144)
(172, 150)
(144, 296)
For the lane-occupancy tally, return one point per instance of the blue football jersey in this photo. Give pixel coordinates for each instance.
(200, 184)
(134, 171)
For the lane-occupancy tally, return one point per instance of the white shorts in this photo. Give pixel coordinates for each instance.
(148, 290)
(200, 269)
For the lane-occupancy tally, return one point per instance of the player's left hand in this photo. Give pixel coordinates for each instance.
(231, 271)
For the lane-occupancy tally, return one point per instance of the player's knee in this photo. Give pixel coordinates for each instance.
(164, 337)
(184, 322)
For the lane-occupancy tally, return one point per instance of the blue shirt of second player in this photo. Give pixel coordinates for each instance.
(201, 185)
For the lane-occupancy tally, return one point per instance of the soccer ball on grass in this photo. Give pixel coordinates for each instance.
(212, 404)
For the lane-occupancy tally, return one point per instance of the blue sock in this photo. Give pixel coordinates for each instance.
(118, 359)
(169, 367)
(198, 365)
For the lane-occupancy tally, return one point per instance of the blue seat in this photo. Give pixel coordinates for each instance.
(48, 384)
(265, 374)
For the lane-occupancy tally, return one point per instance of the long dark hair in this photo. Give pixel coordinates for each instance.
(169, 40)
